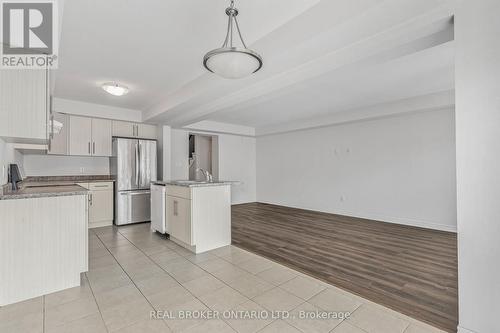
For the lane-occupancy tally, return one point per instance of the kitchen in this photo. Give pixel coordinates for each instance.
(123, 197)
(328, 165)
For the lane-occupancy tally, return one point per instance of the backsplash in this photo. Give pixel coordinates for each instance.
(50, 165)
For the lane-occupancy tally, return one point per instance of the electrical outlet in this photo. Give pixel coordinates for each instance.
(342, 198)
(82, 170)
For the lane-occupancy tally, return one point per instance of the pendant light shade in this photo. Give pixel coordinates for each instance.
(233, 60)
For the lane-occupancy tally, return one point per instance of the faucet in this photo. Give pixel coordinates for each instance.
(208, 176)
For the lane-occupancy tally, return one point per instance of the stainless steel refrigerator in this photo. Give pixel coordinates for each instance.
(133, 165)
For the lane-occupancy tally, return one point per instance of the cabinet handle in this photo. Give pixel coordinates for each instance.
(89, 147)
(90, 199)
(176, 205)
(93, 147)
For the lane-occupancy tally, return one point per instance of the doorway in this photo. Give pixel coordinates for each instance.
(203, 155)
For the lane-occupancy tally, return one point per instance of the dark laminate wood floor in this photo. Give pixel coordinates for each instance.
(410, 270)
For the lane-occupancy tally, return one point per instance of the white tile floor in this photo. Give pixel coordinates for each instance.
(133, 272)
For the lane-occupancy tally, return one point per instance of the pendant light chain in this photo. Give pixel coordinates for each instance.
(232, 12)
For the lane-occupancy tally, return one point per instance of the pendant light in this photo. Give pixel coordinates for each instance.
(232, 60)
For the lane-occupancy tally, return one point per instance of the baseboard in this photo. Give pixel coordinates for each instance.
(100, 224)
(380, 218)
(464, 330)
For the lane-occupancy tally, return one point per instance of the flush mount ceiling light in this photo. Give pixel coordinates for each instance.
(115, 89)
(232, 60)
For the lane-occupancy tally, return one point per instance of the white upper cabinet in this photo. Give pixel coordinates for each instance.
(133, 130)
(101, 137)
(24, 105)
(59, 142)
(146, 131)
(89, 136)
(80, 136)
(123, 129)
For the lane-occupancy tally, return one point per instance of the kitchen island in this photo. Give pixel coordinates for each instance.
(43, 240)
(198, 214)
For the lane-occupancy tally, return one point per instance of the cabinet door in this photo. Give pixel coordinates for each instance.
(101, 137)
(124, 129)
(179, 219)
(59, 144)
(23, 105)
(101, 206)
(147, 131)
(80, 136)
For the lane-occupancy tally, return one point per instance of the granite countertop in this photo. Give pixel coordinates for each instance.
(186, 183)
(66, 179)
(43, 191)
(63, 180)
(51, 186)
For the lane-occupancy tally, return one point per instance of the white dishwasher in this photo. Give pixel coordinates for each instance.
(159, 208)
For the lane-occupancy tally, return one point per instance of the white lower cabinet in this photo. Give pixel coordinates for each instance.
(199, 218)
(179, 217)
(43, 247)
(101, 208)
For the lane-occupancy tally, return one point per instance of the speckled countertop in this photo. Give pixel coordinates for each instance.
(63, 180)
(43, 191)
(185, 183)
(53, 186)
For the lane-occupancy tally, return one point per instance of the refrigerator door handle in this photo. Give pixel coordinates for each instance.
(137, 164)
(136, 193)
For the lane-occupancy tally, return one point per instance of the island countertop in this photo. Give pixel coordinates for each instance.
(192, 183)
(51, 186)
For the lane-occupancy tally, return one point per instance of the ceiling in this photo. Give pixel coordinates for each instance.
(320, 57)
(154, 47)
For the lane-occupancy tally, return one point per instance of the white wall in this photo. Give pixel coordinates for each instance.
(478, 164)
(179, 146)
(236, 162)
(47, 165)
(399, 169)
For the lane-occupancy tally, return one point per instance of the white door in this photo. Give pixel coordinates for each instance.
(101, 137)
(124, 129)
(146, 131)
(80, 136)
